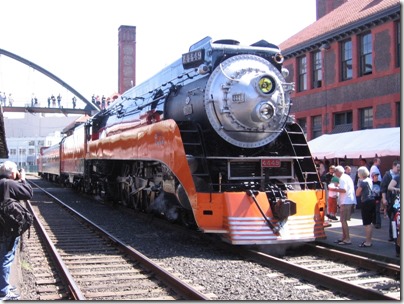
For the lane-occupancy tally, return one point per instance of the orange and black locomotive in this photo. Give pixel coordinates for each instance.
(208, 141)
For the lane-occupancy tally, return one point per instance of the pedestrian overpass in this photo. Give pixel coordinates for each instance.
(90, 108)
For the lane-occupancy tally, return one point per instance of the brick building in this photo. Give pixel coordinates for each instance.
(346, 66)
(126, 58)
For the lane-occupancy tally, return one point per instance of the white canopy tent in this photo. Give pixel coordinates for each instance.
(364, 143)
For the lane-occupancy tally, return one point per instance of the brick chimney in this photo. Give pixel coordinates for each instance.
(126, 58)
(323, 7)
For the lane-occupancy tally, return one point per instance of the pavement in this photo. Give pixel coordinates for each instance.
(381, 248)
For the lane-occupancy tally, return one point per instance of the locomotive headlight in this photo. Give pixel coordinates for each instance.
(266, 85)
(263, 112)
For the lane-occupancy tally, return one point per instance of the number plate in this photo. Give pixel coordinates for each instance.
(268, 163)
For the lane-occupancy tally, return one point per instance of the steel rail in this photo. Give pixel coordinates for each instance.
(181, 287)
(64, 272)
(313, 276)
(389, 269)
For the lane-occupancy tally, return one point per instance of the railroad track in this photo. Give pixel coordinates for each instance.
(350, 275)
(271, 280)
(76, 259)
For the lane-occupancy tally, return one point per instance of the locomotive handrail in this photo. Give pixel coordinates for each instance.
(140, 107)
(174, 82)
(275, 229)
(262, 178)
(254, 157)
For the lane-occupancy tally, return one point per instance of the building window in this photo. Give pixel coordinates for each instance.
(342, 122)
(398, 116)
(342, 118)
(23, 151)
(317, 126)
(302, 74)
(398, 51)
(366, 118)
(303, 124)
(346, 60)
(31, 151)
(317, 70)
(365, 56)
(13, 151)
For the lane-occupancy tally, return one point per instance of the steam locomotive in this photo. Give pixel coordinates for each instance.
(209, 142)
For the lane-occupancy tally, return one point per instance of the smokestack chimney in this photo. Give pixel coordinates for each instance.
(126, 58)
(323, 7)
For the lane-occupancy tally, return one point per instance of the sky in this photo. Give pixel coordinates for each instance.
(77, 40)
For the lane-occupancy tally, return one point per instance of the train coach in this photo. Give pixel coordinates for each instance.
(208, 142)
(49, 162)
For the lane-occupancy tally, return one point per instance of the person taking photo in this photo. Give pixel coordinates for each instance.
(19, 189)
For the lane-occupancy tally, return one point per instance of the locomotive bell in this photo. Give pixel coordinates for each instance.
(247, 107)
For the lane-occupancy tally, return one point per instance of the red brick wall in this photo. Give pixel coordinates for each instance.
(380, 90)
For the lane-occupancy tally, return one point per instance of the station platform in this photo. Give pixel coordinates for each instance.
(381, 248)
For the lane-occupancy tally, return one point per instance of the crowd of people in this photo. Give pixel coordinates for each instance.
(6, 100)
(374, 194)
(52, 100)
(101, 102)
(56, 102)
